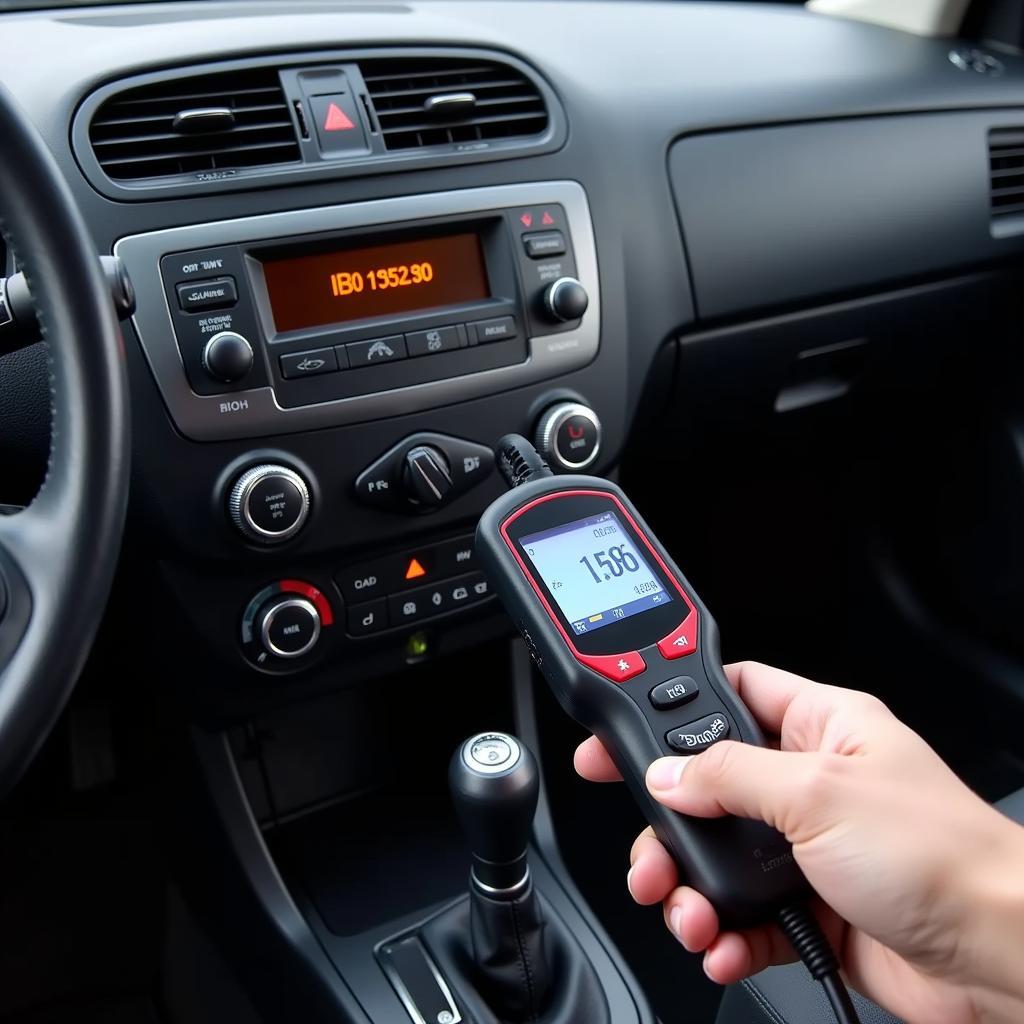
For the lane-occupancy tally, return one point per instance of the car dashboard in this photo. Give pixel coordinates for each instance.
(369, 239)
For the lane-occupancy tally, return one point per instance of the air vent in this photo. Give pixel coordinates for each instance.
(428, 102)
(1006, 165)
(212, 124)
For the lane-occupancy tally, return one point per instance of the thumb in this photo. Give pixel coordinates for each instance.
(737, 778)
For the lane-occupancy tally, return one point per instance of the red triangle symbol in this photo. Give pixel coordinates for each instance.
(415, 570)
(547, 218)
(337, 120)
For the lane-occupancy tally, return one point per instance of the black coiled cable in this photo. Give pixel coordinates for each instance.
(801, 927)
(519, 461)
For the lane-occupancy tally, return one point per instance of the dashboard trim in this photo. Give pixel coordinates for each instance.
(255, 412)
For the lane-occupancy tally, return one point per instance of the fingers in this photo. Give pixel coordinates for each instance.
(767, 691)
(782, 788)
(653, 873)
(593, 763)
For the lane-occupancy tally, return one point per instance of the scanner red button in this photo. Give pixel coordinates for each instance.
(616, 667)
(682, 640)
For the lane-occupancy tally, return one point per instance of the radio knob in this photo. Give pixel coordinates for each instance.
(568, 435)
(227, 357)
(288, 626)
(566, 299)
(269, 503)
(427, 476)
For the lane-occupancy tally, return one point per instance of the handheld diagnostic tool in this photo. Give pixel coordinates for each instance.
(632, 654)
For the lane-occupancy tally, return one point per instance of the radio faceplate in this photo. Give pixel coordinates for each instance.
(198, 281)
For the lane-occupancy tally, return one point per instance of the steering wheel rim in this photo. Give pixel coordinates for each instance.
(57, 557)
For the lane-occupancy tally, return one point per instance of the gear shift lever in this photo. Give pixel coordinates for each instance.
(494, 785)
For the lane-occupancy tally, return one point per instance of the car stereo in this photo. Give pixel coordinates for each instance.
(312, 318)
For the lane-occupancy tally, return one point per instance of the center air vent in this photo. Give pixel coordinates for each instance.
(1006, 166)
(428, 101)
(214, 123)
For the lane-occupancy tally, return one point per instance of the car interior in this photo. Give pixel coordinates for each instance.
(760, 264)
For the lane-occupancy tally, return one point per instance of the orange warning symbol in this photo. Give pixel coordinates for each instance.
(337, 120)
(415, 570)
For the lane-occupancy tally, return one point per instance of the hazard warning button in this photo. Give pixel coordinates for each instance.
(337, 124)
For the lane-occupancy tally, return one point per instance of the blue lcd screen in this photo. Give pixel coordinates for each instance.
(594, 571)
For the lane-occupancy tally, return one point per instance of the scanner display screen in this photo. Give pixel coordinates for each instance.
(594, 571)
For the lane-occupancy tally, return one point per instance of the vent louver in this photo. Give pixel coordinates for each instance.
(443, 101)
(1006, 169)
(213, 123)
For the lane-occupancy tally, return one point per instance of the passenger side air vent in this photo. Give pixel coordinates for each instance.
(197, 126)
(1006, 168)
(454, 102)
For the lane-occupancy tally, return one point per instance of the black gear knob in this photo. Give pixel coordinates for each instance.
(495, 784)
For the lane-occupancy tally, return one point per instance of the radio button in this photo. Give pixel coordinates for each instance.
(217, 293)
(308, 364)
(437, 339)
(501, 328)
(376, 350)
(544, 243)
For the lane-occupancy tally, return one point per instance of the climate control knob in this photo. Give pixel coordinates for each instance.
(288, 626)
(227, 357)
(427, 476)
(269, 504)
(568, 435)
(566, 299)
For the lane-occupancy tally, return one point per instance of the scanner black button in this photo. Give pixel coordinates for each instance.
(674, 692)
(697, 736)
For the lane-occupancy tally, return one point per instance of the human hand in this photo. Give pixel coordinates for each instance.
(918, 877)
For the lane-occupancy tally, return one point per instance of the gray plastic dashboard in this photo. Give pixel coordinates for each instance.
(634, 78)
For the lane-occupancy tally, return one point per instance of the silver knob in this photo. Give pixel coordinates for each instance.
(269, 504)
(568, 435)
(566, 299)
(290, 628)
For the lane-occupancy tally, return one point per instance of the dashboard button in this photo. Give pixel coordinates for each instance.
(699, 735)
(308, 364)
(437, 339)
(500, 328)
(216, 293)
(544, 243)
(410, 607)
(367, 618)
(376, 350)
(368, 579)
(338, 126)
(455, 556)
(674, 692)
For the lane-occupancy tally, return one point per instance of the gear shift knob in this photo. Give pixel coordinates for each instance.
(494, 785)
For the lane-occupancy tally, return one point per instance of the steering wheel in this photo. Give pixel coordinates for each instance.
(57, 556)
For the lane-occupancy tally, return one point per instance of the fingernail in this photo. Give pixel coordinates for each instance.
(704, 964)
(629, 881)
(675, 922)
(666, 772)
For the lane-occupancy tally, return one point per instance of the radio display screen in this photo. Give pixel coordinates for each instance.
(377, 280)
(594, 571)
